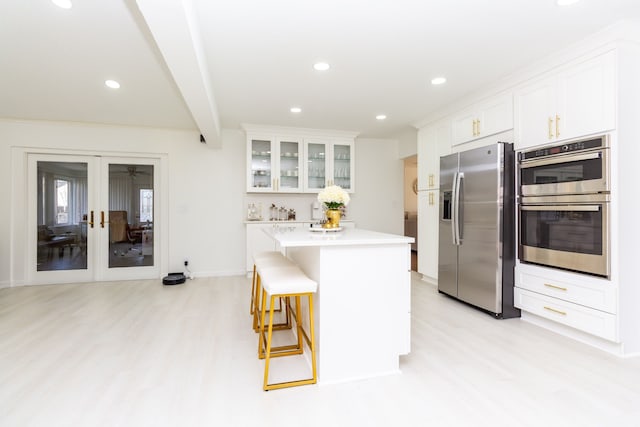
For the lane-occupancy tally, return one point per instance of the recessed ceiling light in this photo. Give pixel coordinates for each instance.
(566, 2)
(295, 109)
(321, 66)
(438, 81)
(112, 84)
(381, 117)
(65, 4)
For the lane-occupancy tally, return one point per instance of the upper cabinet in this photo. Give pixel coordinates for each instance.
(483, 119)
(577, 101)
(434, 141)
(329, 162)
(290, 160)
(274, 164)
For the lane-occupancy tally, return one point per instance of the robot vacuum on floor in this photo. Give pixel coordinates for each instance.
(174, 279)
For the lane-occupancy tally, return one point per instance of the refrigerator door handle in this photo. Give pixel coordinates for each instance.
(460, 213)
(453, 209)
(455, 222)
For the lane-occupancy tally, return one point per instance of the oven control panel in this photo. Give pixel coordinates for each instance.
(570, 147)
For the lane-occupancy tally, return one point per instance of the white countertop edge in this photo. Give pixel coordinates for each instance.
(347, 237)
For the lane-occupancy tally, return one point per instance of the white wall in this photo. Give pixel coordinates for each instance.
(407, 142)
(378, 201)
(207, 198)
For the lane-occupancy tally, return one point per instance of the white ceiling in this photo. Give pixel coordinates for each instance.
(259, 55)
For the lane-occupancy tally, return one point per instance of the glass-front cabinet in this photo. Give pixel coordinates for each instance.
(343, 165)
(261, 165)
(290, 165)
(328, 162)
(292, 160)
(275, 165)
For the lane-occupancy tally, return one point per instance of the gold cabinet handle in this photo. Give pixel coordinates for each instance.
(557, 125)
(473, 128)
(101, 219)
(91, 219)
(550, 127)
(478, 127)
(431, 182)
(555, 287)
(555, 311)
(431, 201)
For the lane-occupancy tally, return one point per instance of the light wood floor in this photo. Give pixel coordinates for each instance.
(140, 354)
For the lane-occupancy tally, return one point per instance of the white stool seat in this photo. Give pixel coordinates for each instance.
(270, 263)
(263, 262)
(280, 280)
(267, 255)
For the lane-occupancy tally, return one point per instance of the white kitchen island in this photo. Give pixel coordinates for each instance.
(363, 304)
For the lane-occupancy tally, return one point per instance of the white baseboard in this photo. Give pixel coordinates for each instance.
(223, 273)
(430, 280)
(5, 284)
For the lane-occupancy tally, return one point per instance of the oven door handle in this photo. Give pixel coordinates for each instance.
(581, 208)
(561, 159)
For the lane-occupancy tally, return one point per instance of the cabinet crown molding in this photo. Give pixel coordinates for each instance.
(295, 131)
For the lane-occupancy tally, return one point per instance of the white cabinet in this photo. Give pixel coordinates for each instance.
(274, 164)
(578, 101)
(434, 141)
(293, 160)
(586, 303)
(483, 119)
(329, 162)
(428, 213)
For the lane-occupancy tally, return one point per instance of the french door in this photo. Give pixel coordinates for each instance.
(92, 218)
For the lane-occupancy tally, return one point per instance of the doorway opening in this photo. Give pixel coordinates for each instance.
(411, 206)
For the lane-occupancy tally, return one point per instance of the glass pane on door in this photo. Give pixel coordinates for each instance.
(316, 165)
(289, 165)
(131, 211)
(261, 164)
(61, 213)
(342, 165)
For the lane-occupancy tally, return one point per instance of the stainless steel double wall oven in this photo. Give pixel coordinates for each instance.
(564, 206)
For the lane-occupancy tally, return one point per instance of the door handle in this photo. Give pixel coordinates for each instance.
(91, 219)
(101, 219)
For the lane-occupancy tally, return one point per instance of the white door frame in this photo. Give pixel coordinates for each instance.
(20, 262)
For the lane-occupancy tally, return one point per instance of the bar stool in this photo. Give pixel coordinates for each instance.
(286, 282)
(260, 256)
(262, 262)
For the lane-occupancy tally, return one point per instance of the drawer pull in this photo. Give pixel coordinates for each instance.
(555, 287)
(555, 311)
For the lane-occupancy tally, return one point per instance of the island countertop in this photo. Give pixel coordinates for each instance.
(301, 237)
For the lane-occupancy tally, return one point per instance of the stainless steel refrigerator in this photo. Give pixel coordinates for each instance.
(477, 228)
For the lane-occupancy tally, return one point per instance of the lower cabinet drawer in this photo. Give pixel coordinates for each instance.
(594, 322)
(599, 296)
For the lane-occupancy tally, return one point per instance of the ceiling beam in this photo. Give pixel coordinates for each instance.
(173, 25)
